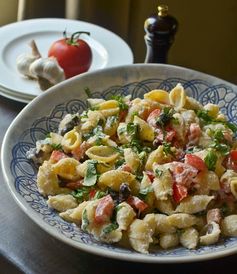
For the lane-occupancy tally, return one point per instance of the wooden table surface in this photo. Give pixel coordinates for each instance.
(26, 248)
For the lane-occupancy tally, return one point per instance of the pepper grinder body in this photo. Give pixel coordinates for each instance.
(160, 32)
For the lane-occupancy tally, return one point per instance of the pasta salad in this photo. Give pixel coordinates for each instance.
(158, 171)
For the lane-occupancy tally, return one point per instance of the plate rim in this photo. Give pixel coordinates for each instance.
(128, 58)
(96, 249)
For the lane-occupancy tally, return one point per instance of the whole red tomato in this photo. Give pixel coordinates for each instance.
(73, 54)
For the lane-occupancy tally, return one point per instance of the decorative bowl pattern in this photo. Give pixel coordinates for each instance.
(43, 115)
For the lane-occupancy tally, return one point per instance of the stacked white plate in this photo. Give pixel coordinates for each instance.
(108, 49)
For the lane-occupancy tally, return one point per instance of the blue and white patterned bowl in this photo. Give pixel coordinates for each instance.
(43, 114)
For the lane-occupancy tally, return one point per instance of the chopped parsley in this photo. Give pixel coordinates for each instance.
(85, 220)
(219, 142)
(158, 172)
(99, 194)
(119, 163)
(167, 148)
(121, 102)
(57, 146)
(165, 117)
(207, 119)
(91, 173)
(210, 160)
(88, 92)
(109, 228)
(135, 143)
(81, 194)
(111, 120)
(146, 190)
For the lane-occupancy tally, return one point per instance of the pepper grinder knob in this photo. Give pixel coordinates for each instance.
(160, 32)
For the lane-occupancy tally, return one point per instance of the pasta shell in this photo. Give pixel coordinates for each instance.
(108, 104)
(71, 140)
(158, 95)
(103, 154)
(212, 109)
(93, 102)
(67, 168)
(233, 186)
(114, 178)
(47, 181)
(109, 112)
(131, 159)
(194, 204)
(139, 235)
(189, 238)
(146, 132)
(109, 108)
(177, 96)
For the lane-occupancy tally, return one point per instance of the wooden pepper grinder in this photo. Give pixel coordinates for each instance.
(160, 31)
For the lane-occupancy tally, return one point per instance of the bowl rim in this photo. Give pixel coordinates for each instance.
(133, 257)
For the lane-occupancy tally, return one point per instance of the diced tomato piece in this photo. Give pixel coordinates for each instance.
(57, 156)
(170, 134)
(195, 161)
(233, 155)
(179, 192)
(126, 168)
(74, 185)
(104, 209)
(183, 173)
(151, 120)
(79, 152)
(92, 193)
(136, 203)
(150, 175)
(122, 115)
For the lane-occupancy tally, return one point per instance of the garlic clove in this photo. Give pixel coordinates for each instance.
(23, 63)
(47, 71)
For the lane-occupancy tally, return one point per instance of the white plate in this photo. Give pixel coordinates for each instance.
(43, 114)
(108, 49)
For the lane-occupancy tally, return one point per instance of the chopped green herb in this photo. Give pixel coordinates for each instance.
(111, 120)
(219, 142)
(119, 163)
(203, 114)
(167, 148)
(132, 129)
(99, 194)
(231, 126)
(88, 92)
(48, 135)
(210, 160)
(146, 190)
(84, 114)
(139, 177)
(158, 172)
(85, 220)
(224, 149)
(142, 156)
(81, 194)
(117, 208)
(118, 149)
(165, 117)
(57, 146)
(91, 173)
(135, 113)
(121, 102)
(109, 228)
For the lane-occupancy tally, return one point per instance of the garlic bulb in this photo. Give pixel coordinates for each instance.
(24, 60)
(47, 71)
